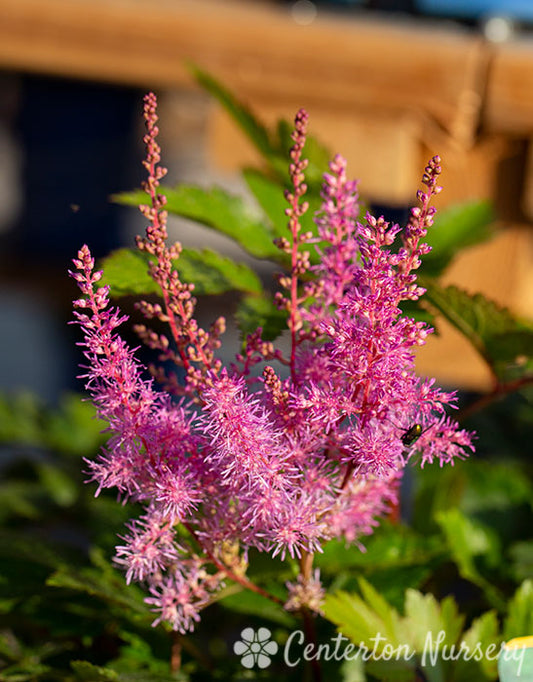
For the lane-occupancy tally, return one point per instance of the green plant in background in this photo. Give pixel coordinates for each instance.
(467, 530)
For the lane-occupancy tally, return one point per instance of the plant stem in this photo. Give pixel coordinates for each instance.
(240, 579)
(310, 636)
(175, 652)
(306, 567)
(497, 392)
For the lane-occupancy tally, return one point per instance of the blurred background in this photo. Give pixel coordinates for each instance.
(387, 84)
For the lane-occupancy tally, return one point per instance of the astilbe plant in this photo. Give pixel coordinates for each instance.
(313, 448)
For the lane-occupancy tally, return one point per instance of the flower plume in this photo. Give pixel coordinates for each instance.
(314, 449)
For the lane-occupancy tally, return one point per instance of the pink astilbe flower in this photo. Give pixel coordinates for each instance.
(287, 461)
(306, 593)
(179, 597)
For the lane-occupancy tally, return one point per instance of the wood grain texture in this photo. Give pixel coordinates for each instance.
(255, 48)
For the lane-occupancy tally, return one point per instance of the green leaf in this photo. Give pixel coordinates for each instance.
(35, 554)
(483, 322)
(424, 614)
(372, 622)
(357, 620)
(219, 210)
(74, 428)
(104, 583)
(19, 498)
(467, 539)
(231, 215)
(21, 419)
(519, 620)
(269, 195)
(61, 488)
(392, 546)
(253, 604)
(483, 636)
(71, 429)
(521, 554)
(260, 311)
(212, 273)
(273, 146)
(93, 673)
(513, 349)
(456, 228)
(495, 485)
(249, 124)
(353, 670)
(126, 272)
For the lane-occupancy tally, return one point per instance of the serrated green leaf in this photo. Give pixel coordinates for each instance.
(253, 604)
(381, 608)
(260, 311)
(228, 214)
(392, 547)
(84, 670)
(467, 539)
(482, 640)
(126, 272)
(483, 322)
(519, 620)
(219, 210)
(212, 273)
(424, 615)
(256, 132)
(512, 347)
(269, 195)
(96, 583)
(357, 620)
(457, 227)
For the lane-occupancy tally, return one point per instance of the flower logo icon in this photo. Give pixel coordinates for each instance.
(255, 647)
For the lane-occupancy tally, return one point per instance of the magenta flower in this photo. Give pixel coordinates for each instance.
(282, 464)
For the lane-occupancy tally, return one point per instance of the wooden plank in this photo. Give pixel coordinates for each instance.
(502, 270)
(509, 98)
(256, 48)
(383, 151)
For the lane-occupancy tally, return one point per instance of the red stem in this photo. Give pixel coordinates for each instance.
(241, 580)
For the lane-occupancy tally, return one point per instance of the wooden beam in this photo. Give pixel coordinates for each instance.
(255, 48)
(509, 97)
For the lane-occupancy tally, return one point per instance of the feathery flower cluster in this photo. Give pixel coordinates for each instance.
(316, 451)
